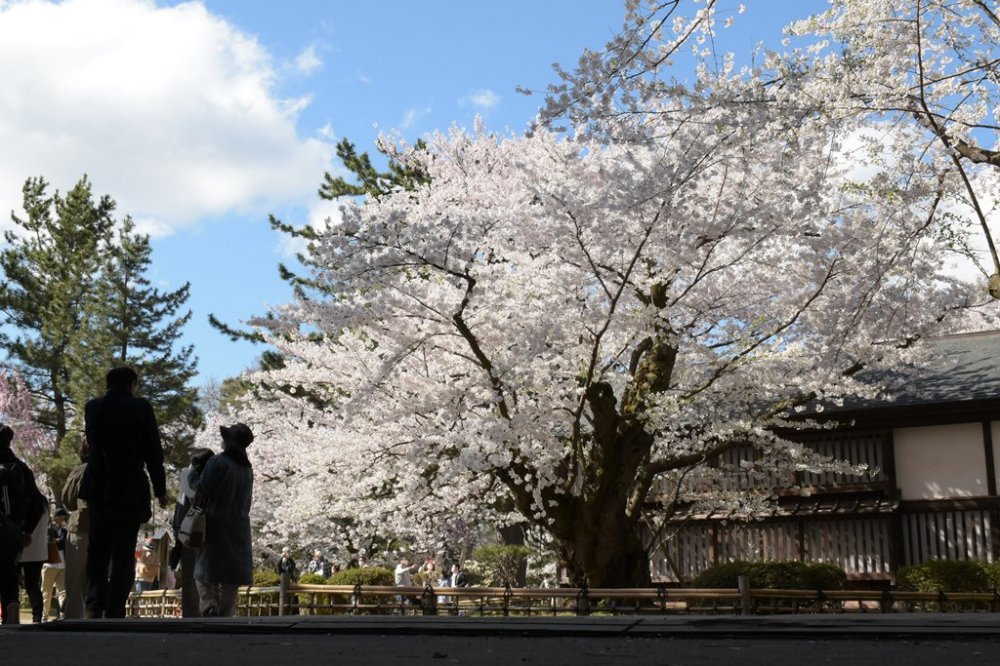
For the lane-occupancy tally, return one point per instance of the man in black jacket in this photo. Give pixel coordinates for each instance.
(123, 438)
(21, 507)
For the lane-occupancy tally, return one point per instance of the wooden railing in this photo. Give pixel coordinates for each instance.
(296, 599)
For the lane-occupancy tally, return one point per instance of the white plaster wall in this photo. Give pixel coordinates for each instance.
(938, 462)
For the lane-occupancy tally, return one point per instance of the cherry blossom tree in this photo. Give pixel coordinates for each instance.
(910, 75)
(17, 409)
(567, 328)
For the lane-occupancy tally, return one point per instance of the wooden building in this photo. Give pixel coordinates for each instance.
(936, 448)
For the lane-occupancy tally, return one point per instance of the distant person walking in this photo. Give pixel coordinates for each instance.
(21, 510)
(33, 558)
(225, 490)
(124, 444)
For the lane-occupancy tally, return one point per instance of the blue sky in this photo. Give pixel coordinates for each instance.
(201, 118)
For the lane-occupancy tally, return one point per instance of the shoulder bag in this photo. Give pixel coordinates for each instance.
(192, 531)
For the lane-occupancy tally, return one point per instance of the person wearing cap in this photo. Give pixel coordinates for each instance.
(147, 567)
(224, 491)
(124, 444)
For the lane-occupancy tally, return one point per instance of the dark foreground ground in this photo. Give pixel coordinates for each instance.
(911, 640)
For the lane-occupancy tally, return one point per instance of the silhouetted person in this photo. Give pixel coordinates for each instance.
(225, 490)
(123, 439)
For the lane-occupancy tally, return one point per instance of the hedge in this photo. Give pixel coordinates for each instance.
(362, 576)
(791, 575)
(949, 576)
(266, 578)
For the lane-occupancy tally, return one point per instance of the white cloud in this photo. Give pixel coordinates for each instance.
(170, 110)
(485, 98)
(308, 61)
(326, 131)
(412, 115)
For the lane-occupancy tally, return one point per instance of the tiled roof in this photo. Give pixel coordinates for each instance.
(961, 368)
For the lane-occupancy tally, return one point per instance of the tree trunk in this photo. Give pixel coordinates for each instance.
(608, 553)
(513, 535)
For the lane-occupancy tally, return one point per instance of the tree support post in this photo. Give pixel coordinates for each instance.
(283, 594)
(744, 586)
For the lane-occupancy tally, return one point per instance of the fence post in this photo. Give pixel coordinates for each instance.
(820, 601)
(583, 601)
(661, 595)
(429, 602)
(356, 599)
(283, 595)
(887, 601)
(507, 593)
(744, 586)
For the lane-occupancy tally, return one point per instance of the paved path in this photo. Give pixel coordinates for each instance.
(857, 640)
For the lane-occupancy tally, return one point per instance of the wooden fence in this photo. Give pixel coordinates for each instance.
(296, 599)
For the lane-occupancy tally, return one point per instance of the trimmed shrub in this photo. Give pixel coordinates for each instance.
(993, 574)
(946, 576)
(312, 579)
(362, 576)
(791, 575)
(266, 578)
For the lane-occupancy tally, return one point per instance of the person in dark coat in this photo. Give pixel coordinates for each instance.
(21, 510)
(224, 490)
(286, 564)
(124, 443)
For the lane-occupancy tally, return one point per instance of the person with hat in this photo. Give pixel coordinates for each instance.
(147, 567)
(224, 491)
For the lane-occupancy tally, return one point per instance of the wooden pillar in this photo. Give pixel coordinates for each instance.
(991, 470)
(991, 488)
(283, 598)
(894, 521)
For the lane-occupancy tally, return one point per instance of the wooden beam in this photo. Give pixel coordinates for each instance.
(951, 504)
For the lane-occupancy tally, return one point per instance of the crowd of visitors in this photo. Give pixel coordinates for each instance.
(87, 557)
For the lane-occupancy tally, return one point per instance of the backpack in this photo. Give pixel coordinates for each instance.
(12, 495)
(12, 504)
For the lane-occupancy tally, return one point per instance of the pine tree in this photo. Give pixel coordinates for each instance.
(51, 264)
(140, 326)
(368, 181)
(77, 302)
